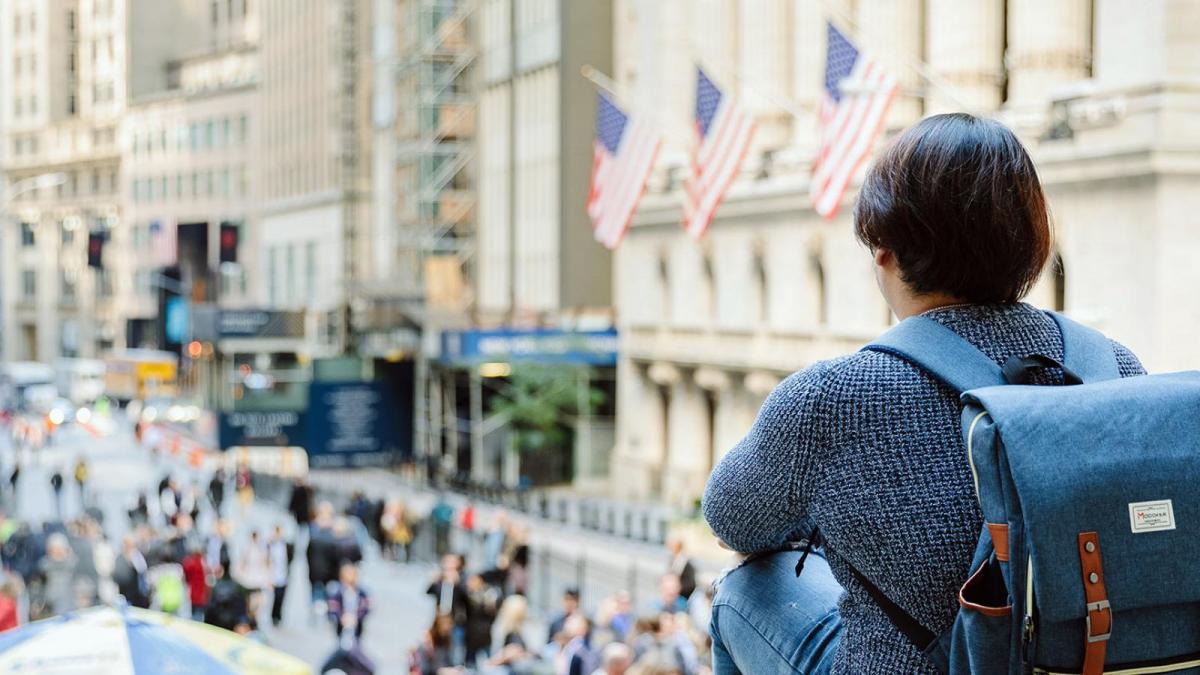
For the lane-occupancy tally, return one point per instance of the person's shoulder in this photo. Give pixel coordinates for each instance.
(825, 378)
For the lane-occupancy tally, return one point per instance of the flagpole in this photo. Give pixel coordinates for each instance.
(599, 79)
(918, 66)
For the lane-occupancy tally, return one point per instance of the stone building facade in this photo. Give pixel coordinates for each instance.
(1103, 92)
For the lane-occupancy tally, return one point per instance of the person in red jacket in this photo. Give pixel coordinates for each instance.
(10, 594)
(195, 574)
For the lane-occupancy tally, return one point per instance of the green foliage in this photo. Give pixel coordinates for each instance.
(541, 403)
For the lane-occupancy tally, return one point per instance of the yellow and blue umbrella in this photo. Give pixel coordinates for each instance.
(128, 641)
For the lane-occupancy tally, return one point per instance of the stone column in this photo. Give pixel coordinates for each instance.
(660, 422)
(764, 71)
(890, 30)
(964, 45)
(1049, 45)
(687, 434)
(807, 38)
(719, 385)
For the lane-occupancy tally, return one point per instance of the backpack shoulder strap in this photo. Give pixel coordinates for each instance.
(940, 352)
(1086, 351)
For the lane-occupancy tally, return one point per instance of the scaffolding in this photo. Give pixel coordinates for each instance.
(435, 206)
(435, 189)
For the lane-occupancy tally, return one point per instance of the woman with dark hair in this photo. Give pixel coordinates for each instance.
(866, 449)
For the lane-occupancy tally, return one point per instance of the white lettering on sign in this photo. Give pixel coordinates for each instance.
(1151, 516)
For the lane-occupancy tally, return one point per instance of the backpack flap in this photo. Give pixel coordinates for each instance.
(1101, 479)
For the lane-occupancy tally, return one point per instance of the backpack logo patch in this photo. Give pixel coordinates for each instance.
(1151, 516)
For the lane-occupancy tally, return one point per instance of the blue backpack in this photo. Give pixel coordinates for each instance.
(1088, 558)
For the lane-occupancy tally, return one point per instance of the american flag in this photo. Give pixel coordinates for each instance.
(623, 156)
(858, 94)
(162, 242)
(723, 133)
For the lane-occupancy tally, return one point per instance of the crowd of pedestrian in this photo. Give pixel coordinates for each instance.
(481, 614)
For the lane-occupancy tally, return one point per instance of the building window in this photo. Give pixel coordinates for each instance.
(66, 287)
(216, 13)
(290, 279)
(164, 187)
(95, 181)
(243, 133)
(29, 284)
(71, 20)
(194, 135)
(71, 105)
(179, 186)
(272, 280)
(226, 132)
(28, 239)
(310, 272)
(209, 133)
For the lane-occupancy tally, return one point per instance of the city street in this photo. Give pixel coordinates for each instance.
(120, 470)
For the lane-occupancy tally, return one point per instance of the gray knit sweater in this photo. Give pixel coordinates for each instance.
(868, 448)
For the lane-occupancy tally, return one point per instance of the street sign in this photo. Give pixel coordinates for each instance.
(259, 323)
(537, 345)
(257, 428)
(352, 424)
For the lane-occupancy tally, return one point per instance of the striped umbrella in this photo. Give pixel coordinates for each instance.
(128, 641)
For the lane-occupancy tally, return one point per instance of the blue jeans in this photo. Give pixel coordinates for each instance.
(765, 619)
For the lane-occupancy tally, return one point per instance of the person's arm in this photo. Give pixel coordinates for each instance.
(755, 500)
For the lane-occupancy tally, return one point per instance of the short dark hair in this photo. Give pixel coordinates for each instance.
(957, 200)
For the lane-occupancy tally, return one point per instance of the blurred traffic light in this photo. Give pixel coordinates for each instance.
(229, 242)
(95, 250)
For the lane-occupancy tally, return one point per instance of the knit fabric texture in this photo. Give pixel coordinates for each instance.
(868, 448)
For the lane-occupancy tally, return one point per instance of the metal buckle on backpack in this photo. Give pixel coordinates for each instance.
(1101, 606)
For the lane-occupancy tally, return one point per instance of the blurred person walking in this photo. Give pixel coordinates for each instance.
(482, 604)
(681, 566)
(57, 572)
(216, 491)
(56, 483)
(196, 573)
(450, 599)
(228, 603)
(570, 607)
(81, 480)
(243, 485)
(442, 516)
(253, 568)
(11, 592)
(348, 607)
(670, 598)
(510, 622)
(279, 554)
(129, 574)
(300, 503)
(397, 531)
(615, 659)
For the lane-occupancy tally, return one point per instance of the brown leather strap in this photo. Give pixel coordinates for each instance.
(999, 534)
(1099, 614)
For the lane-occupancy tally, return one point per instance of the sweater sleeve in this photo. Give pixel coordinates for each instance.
(753, 501)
